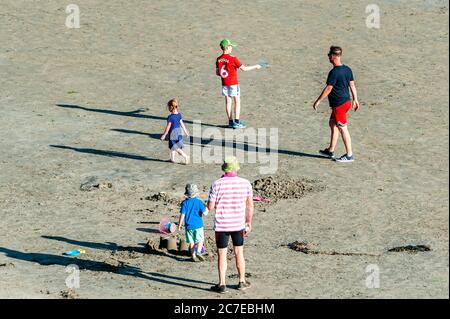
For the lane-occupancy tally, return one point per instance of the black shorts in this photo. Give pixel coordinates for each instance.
(222, 239)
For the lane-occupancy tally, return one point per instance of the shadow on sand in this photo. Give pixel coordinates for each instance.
(136, 113)
(45, 259)
(193, 140)
(203, 142)
(109, 153)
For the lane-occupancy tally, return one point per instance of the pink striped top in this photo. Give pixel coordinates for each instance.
(229, 194)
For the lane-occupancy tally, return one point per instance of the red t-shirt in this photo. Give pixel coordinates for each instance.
(226, 67)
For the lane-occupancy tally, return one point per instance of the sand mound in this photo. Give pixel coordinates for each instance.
(410, 249)
(308, 248)
(301, 246)
(277, 187)
(68, 294)
(164, 198)
(93, 183)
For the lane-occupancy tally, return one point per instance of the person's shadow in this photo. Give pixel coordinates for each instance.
(109, 153)
(204, 142)
(136, 113)
(91, 265)
(113, 247)
(193, 140)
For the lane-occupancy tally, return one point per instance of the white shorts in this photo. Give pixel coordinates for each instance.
(232, 90)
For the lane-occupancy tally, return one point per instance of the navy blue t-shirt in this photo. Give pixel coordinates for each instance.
(193, 209)
(339, 77)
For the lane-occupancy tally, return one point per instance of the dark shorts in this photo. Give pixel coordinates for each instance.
(222, 239)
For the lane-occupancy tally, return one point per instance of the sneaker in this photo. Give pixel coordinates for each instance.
(219, 288)
(244, 285)
(200, 257)
(326, 152)
(345, 159)
(194, 258)
(239, 125)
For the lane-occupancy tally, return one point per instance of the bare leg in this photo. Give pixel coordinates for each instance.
(334, 135)
(192, 250)
(222, 264)
(199, 247)
(237, 107)
(347, 139)
(240, 262)
(228, 107)
(182, 153)
(172, 156)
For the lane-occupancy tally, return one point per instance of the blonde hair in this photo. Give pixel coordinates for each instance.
(173, 105)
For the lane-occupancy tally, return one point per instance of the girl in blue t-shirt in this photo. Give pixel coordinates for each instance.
(174, 129)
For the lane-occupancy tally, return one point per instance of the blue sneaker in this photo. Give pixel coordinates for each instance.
(239, 125)
(326, 152)
(345, 159)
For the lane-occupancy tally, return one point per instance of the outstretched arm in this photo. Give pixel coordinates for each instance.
(326, 91)
(355, 95)
(250, 68)
(166, 130)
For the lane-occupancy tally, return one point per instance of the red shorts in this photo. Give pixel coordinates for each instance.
(339, 113)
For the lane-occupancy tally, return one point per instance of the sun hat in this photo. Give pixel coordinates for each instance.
(230, 164)
(226, 42)
(191, 190)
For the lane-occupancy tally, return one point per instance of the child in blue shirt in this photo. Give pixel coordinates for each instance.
(191, 212)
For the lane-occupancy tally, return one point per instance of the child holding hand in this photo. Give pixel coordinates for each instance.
(191, 213)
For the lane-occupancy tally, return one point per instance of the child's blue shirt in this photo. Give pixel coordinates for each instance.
(193, 209)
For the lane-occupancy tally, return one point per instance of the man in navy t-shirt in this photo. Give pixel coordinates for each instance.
(340, 82)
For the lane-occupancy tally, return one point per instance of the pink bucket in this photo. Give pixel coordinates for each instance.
(167, 227)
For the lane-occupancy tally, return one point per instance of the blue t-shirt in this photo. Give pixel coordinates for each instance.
(175, 128)
(339, 77)
(193, 209)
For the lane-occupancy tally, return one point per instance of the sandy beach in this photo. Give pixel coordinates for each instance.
(87, 107)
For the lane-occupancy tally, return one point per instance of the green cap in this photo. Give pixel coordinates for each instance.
(226, 42)
(230, 164)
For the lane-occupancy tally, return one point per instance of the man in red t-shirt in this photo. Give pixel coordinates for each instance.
(226, 67)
